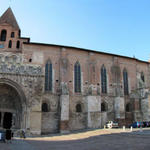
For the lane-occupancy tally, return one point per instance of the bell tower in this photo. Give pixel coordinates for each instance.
(10, 33)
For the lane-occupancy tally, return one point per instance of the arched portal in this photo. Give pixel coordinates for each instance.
(12, 105)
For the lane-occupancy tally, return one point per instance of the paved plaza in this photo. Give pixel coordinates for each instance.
(115, 139)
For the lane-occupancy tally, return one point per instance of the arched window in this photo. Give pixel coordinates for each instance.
(19, 33)
(104, 106)
(44, 107)
(10, 44)
(125, 82)
(3, 35)
(30, 60)
(103, 79)
(78, 108)
(18, 44)
(142, 77)
(128, 107)
(12, 34)
(77, 77)
(48, 76)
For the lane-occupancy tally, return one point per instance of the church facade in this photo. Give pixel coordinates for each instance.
(46, 88)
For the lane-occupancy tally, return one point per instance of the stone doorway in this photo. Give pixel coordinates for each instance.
(12, 106)
(7, 122)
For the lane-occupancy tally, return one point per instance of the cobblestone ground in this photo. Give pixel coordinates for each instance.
(90, 140)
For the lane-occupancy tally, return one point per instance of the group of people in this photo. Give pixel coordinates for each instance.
(9, 135)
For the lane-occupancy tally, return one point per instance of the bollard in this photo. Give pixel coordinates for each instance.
(124, 128)
(131, 128)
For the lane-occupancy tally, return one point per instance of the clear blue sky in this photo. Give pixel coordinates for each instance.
(114, 26)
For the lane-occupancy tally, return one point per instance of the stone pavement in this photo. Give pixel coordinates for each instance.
(115, 139)
(16, 145)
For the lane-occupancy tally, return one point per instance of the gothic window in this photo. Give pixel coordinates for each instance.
(77, 77)
(48, 76)
(78, 108)
(104, 106)
(18, 44)
(10, 44)
(103, 79)
(3, 35)
(44, 107)
(142, 77)
(125, 82)
(12, 34)
(128, 107)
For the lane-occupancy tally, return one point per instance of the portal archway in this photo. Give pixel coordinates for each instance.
(12, 105)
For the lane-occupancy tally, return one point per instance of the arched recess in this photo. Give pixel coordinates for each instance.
(13, 100)
(79, 108)
(142, 77)
(128, 107)
(104, 107)
(3, 35)
(45, 107)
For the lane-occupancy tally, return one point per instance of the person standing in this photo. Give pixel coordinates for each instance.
(8, 135)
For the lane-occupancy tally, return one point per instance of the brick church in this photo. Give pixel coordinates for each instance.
(46, 88)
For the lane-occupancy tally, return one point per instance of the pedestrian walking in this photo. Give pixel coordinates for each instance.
(22, 134)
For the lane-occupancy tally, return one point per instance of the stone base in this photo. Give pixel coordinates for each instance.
(64, 131)
(35, 132)
(121, 122)
(93, 111)
(64, 126)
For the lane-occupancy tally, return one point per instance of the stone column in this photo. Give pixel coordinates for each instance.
(119, 108)
(13, 120)
(64, 121)
(35, 122)
(145, 108)
(64, 97)
(35, 115)
(2, 118)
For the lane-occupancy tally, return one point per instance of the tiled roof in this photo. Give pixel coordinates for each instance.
(9, 18)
